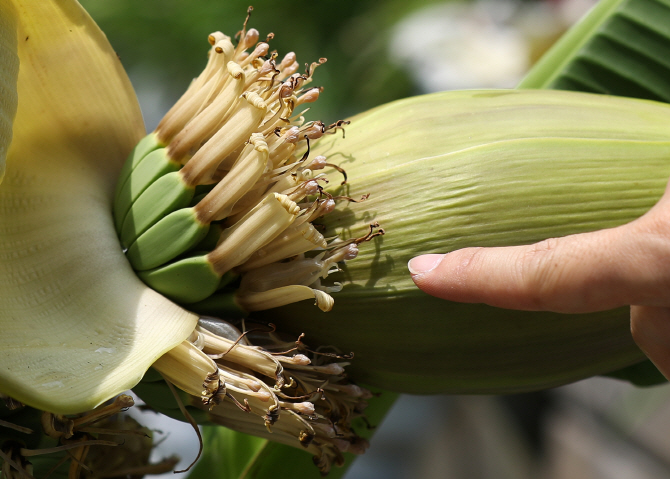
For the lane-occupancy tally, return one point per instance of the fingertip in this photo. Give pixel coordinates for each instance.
(423, 264)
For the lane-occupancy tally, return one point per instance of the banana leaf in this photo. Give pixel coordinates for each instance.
(622, 47)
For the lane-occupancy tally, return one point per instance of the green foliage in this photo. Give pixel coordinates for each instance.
(621, 48)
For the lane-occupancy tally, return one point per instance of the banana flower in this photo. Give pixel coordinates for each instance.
(79, 327)
(93, 328)
(485, 168)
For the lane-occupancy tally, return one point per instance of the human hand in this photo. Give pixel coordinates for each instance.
(627, 265)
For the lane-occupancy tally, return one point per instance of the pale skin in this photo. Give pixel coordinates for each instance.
(626, 265)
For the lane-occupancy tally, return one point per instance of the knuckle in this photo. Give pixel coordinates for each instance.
(470, 262)
(539, 271)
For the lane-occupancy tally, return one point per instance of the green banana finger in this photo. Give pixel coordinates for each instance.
(167, 194)
(171, 236)
(145, 146)
(185, 281)
(148, 169)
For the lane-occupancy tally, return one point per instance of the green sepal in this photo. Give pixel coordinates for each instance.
(166, 195)
(185, 281)
(149, 168)
(172, 236)
(145, 146)
(221, 305)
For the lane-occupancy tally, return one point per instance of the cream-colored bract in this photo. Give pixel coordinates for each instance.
(77, 326)
(8, 73)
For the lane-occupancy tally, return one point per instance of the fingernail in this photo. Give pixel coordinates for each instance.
(424, 263)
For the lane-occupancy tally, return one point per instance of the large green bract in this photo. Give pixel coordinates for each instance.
(483, 168)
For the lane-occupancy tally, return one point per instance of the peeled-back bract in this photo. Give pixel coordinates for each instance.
(78, 326)
(483, 168)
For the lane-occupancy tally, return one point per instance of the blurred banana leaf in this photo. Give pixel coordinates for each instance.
(622, 47)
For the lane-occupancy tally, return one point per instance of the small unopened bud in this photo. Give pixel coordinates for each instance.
(286, 90)
(351, 390)
(343, 253)
(260, 50)
(291, 69)
(267, 67)
(288, 60)
(306, 408)
(333, 369)
(310, 188)
(301, 360)
(249, 39)
(310, 96)
(318, 163)
(324, 208)
(292, 135)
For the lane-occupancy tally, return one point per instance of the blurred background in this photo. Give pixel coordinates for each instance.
(380, 51)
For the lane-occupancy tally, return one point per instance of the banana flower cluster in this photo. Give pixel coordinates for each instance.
(93, 326)
(213, 213)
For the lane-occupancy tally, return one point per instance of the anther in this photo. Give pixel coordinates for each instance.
(215, 37)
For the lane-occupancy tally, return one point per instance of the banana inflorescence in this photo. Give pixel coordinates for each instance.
(214, 210)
